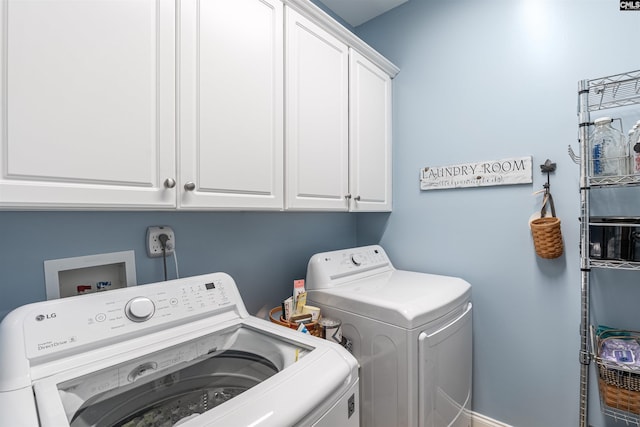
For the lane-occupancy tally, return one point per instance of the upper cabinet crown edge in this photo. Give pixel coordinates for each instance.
(321, 18)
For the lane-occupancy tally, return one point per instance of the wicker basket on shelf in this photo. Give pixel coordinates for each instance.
(619, 398)
(275, 316)
(619, 387)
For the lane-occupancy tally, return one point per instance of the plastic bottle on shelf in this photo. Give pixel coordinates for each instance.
(634, 149)
(630, 139)
(608, 149)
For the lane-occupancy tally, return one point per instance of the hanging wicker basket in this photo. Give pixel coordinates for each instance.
(546, 231)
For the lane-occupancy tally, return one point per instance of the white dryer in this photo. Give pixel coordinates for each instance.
(183, 352)
(411, 333)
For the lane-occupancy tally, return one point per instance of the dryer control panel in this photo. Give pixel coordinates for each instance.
(329, 269)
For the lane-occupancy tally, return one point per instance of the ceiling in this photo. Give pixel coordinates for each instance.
(356, 12)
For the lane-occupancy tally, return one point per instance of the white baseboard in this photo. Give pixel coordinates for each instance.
(479, 420)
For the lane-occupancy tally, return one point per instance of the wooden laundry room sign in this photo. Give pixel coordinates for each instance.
(510, 171)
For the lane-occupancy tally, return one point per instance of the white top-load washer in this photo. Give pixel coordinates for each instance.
(183, 352)
(410, 331)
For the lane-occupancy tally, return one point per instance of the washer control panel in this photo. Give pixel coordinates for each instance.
(62, 324)
(328, 269)
(140, 309)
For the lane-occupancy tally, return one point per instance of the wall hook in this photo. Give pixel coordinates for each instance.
(547, 168)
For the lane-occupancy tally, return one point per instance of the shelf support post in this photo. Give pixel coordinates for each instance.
(584, 357)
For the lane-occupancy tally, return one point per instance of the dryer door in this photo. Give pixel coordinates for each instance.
(445, 360)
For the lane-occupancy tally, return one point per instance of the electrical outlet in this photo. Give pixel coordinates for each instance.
(154, 245)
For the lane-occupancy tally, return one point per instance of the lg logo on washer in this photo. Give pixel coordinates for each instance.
(41, 317)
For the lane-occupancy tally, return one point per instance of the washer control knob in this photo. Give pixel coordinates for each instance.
(140, 309)
(357, 259)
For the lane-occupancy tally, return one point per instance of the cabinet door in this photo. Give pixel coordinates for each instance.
(88, 117)
(370, 135)
(317, 117)
(231, 104)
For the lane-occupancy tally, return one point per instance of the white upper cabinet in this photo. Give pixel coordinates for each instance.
(317, 111)
(231, 104)
(338, 127)
(190, 104)
(369, 135)
(88, 104)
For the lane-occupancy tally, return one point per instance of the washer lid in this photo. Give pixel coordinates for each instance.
(164, 382)
(402, 298)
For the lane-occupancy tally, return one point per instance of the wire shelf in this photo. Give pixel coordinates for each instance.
(616, 265)
(620, 415)
(614, 91)
(613, 181)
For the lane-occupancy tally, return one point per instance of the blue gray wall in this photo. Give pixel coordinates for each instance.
(264, 252)
(489, 80)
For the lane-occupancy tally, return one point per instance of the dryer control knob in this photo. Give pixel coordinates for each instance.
(357, 259)
(140, 309)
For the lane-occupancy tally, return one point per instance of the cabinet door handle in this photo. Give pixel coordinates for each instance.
(190, 186)
(348, 196)
(357, 198)
(169, 183)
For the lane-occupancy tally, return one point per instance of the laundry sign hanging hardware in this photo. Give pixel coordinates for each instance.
(516, 170)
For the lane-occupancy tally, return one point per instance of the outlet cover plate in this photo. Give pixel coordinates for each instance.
(154, 247)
